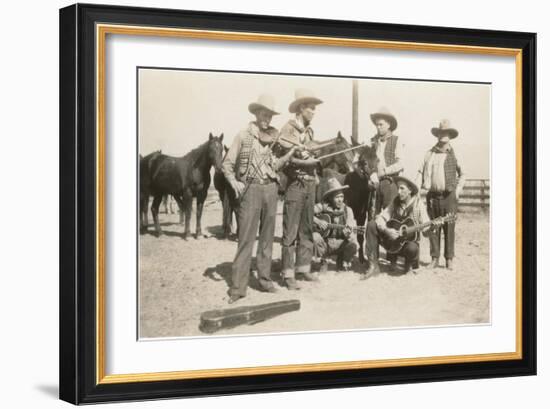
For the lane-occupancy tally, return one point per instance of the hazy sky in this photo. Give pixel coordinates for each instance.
(178, 109)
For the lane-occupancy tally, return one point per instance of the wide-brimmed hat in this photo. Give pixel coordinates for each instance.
(303, 96)
(385, 114)
(411, 185)
(265, 101)
(445, 127)
(333, 187)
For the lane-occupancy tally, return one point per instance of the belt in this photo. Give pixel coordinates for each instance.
(304, 177)
(257, 181)
(438, 194)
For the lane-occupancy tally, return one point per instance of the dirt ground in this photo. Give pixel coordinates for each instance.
(180, 279)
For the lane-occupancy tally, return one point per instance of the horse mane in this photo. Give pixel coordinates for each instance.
(343, 160)
(197, 152)
(151, 155)
(367, 154)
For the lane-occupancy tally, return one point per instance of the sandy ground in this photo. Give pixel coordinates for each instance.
(180, 279)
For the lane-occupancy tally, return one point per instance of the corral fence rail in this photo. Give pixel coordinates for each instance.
(475, 195)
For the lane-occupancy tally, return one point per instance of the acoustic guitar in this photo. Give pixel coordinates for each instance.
(326, 233)
(408, 231)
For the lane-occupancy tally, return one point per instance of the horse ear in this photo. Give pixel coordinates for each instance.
(221, 137)
(210, 136)
(339, 134)
(225, 148)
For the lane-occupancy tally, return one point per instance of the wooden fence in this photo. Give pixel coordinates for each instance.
(475, 195)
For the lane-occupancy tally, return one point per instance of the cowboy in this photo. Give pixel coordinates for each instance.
(406, 204)
(388, 150)
(442, 178)
(250, 168)
(297, 241)
(334, 240)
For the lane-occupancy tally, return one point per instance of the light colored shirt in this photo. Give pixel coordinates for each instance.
(431, 174)
(437, 169)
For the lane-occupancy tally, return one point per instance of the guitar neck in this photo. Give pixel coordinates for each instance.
(423, 225)
(341, 226)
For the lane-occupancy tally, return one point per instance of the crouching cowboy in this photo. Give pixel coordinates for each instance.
(406, 205)
(335, 226)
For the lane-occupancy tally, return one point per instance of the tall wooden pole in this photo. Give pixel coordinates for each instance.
(355, 113)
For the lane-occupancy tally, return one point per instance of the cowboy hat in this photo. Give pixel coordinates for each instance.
(385, 114)
(265, 101)
(410, 184)
(303, 96)
(333, 187)
(445, 127)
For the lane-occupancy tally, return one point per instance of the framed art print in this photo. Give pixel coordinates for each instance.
(257, 203)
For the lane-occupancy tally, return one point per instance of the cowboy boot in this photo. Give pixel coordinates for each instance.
(291, 284)
(324, 266)
(393, 262)
(374, 270)
(308, 276)
(449, 263)
(434, 263)
(233, 298)
(339, 263)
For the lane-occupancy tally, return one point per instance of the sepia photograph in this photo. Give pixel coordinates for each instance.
(276, 203)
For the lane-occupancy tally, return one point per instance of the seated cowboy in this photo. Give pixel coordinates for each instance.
(406, 205)
(334, 223)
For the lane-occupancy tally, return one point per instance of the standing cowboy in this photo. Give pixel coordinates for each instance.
(406, 204)
(250, 168)
(301, 177)
(334, 240)
(443, 179)
(388, 150)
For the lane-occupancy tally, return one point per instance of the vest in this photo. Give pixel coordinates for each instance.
(389, 149)
(247, 154)
(407, 213)
(450, 166)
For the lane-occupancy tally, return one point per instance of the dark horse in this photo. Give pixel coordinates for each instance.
(228, 199)
(185, 178)
(360, 196)
(335, 166)
(145, 164)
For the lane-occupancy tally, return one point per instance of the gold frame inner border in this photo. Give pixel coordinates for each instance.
(102, 30)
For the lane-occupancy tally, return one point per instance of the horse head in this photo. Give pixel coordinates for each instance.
(340, 162)
(215, 151)
(367, 162)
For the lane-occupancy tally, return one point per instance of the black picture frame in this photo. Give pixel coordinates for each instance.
(78, 291)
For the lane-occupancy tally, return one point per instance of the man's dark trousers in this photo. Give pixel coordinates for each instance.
(441, 204)
(410, 250)
(387, 190)
(298, 227)
(257, 208)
